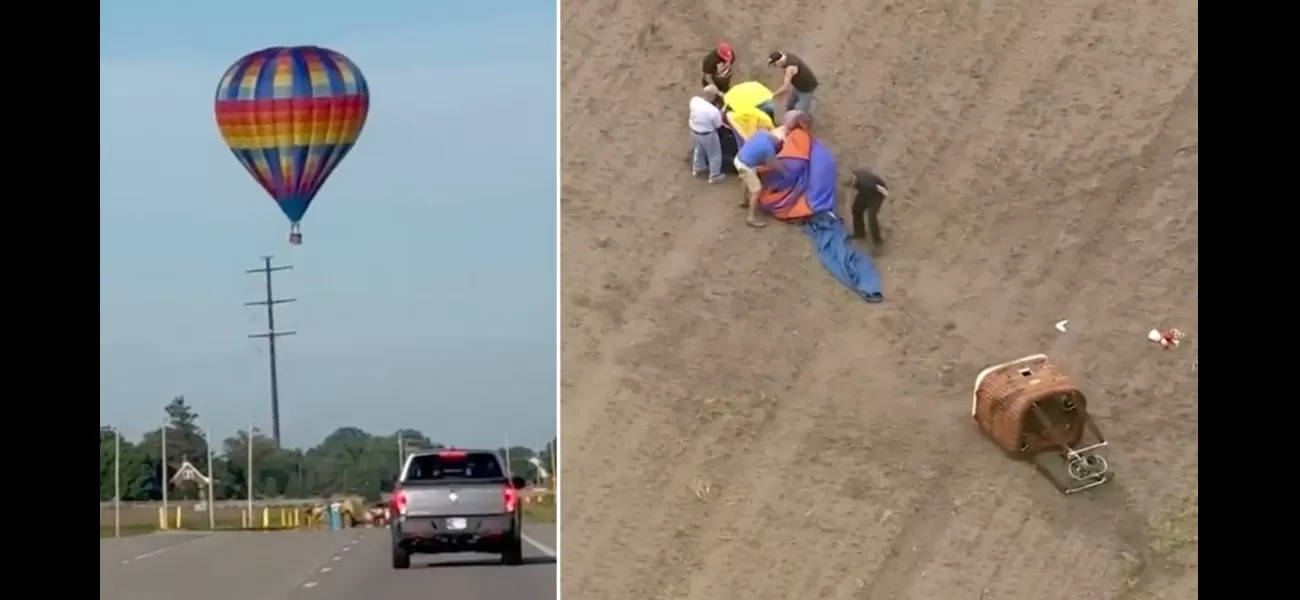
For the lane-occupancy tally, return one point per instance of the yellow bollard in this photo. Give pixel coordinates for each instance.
(284, 519)
(243, 518)
(162, 518)
(178, 518)
(266, 517)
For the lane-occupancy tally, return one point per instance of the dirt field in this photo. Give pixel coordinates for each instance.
(737, 425)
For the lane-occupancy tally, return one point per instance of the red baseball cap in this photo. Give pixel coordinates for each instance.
(724, 51)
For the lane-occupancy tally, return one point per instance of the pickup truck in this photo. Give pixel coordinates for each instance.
(456, 501)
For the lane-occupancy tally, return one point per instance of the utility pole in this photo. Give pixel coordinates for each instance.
(509, 466)
(117, 483)
(163, 475)
(401, 452)
(271, 334)
(212, 477)
(252, 430)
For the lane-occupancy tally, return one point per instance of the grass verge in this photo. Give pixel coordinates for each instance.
(539, 513)
(533, 513)
(128, 529)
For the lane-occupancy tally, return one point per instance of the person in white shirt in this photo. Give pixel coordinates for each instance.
(705, 119)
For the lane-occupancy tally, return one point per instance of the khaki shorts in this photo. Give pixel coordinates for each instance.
(752, 183)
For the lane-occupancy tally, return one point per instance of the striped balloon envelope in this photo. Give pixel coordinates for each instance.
(290, 115)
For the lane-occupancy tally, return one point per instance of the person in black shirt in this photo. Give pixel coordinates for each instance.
(798, 81)
(871, 194)
(717, 67)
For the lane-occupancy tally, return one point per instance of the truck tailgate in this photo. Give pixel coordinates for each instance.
(451, 499)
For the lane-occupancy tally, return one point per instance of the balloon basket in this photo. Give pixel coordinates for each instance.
(295, 238)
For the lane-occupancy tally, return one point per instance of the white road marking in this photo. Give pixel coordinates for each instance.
(336, 558)
(547, 550)
(326, 569)
(152, 553)
(309, 584)
(346, 548)
(163, 549)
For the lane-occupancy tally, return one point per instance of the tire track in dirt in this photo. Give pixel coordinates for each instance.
(1024, 56)
(913, 547)
(1095, 223)
(684, 452)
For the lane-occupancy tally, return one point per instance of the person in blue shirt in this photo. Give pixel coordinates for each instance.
(759, 150)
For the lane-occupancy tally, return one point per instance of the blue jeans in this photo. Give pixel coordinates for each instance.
(706, 153)
(800, 101)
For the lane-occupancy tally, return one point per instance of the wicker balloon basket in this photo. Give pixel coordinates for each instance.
(1034, 412)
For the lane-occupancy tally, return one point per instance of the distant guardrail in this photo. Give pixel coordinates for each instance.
(260, 502)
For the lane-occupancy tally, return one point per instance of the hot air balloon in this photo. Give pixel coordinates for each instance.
(290, 115)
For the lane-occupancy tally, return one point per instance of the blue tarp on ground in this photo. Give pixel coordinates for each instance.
(845, 262)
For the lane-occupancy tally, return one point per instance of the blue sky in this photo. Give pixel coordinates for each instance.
(426, 280)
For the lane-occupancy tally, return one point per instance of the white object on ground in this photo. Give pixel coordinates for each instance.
(1060, 325)
(1168, 339)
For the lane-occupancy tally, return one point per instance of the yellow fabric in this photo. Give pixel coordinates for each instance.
(748, 121)
(745, 95)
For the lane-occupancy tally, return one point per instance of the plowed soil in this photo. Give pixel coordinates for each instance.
(737, 425)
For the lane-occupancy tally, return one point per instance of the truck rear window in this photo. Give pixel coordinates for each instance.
(454, 465)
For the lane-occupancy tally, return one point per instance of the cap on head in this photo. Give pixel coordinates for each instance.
(724, 51)
(774, 58)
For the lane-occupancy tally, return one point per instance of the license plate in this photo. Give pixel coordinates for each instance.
(455, 523)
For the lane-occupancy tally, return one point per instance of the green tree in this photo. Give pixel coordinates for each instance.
(134, 470)
(185, 442)
(348, 461)
(268, 464)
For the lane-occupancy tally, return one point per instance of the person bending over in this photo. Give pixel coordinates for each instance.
(797, 81)
(759, 150)
(871, 194)
(717, 67)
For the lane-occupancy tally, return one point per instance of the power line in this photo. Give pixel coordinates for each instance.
(271, 334)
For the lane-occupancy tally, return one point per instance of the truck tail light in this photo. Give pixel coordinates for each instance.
(399, 502)
(511, 496)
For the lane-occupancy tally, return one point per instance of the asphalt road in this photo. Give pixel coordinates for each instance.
(312, 565)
